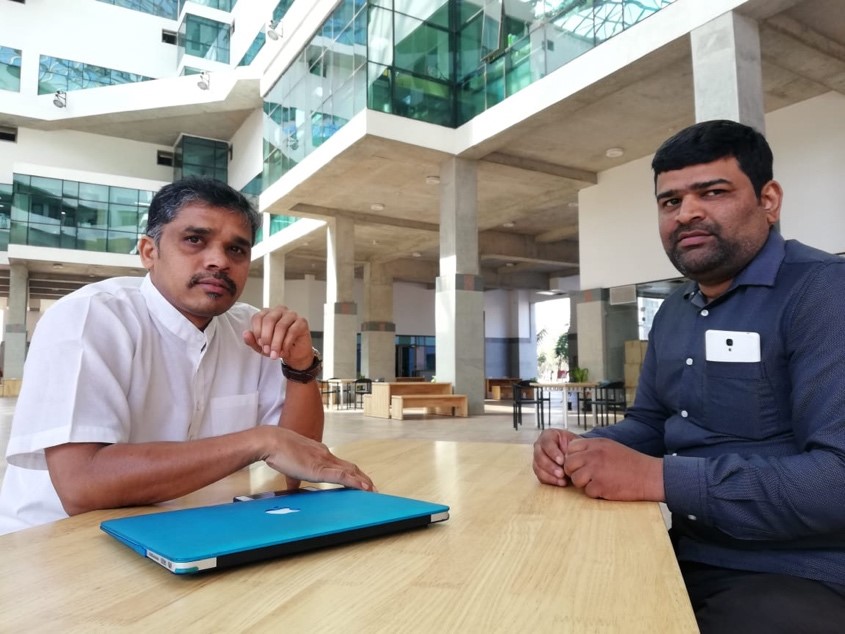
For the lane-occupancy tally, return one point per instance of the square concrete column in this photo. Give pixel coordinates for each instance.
(14, 336)
(273, 290)
(378, 331)
(727, 71)
(601, 344)
(340, 322)
(459, 298)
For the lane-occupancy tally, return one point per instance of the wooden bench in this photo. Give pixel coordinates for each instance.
(441, 404)
(379, 402)
(499, 388)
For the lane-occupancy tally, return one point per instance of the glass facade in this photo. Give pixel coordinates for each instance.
(63, 74)
(415, 356)
(201, 37)
(261, 38)
(5, 214)
(10, 69)
(439, 61)
(195, 156)
(252, 190)
(161, 8)
(320, 91)
(51, 212)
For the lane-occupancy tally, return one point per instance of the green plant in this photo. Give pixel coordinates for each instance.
(579, 375)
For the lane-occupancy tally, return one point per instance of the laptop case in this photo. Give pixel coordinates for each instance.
(190, 540)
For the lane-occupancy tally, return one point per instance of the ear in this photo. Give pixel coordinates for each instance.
(148, 251)
(771, 197)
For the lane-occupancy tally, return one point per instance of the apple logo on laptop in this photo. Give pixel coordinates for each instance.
(281, 510)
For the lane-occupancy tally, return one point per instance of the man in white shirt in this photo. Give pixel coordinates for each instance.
(141, 390)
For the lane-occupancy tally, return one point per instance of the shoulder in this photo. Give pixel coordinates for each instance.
(798, 253)
(116, 299)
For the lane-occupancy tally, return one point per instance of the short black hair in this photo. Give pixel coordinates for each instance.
(710, 141)
(170, 200)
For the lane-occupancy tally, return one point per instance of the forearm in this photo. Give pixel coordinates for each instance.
(90, 476)
(303, 410)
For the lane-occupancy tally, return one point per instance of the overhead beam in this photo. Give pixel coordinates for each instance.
(528, 260)
(532, 165)
(556, 235)
(317, 211)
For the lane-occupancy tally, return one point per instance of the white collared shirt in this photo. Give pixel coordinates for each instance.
(115, 362)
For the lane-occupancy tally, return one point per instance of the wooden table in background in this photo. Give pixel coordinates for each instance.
(516, 556)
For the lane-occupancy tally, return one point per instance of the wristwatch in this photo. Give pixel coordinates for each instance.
(308, 374)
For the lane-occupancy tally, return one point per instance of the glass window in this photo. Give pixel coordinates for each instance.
(162, 8)
(10, 69)
(88, 191)
(205, 38)
(64, 74)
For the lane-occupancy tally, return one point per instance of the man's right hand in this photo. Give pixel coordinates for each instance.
(304, 459)
(549, 456)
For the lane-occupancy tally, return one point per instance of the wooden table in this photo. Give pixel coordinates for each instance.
(516, 556)
(565, 388)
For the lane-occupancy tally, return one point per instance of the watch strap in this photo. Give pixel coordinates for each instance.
(308, 374)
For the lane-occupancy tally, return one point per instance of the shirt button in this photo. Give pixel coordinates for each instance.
(704, 313)
(689, 361)
(692, 517)
(684, 413)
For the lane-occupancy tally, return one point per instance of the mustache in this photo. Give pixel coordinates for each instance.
(199, 278)
(708, 227)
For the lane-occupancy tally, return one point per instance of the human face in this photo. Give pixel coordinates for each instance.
(201, 262)
(711, 222)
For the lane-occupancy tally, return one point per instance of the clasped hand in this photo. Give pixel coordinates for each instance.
(602, 468)
(280, 333)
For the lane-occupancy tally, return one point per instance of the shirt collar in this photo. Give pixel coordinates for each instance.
(166, 314)
(761, 271)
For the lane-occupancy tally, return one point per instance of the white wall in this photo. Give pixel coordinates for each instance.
(246, 161)
(808, 142)
(619, 243)
(82, 152)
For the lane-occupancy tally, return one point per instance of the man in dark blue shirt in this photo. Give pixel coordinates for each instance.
(739, 419)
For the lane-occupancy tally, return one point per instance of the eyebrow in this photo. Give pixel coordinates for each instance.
(204, 231)
(671, 193)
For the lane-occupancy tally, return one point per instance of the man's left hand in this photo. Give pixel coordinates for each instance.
(279, 333)
(609, 470)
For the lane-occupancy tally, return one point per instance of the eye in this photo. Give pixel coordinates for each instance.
(714, 192)
(668, 203)
(193, 239)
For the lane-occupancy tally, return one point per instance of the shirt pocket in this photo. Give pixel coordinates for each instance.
(227, 414)
(738, 400)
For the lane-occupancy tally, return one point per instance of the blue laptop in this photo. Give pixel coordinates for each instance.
(211, 537)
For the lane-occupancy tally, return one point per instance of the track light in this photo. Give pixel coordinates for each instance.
(272, 30)
(60, 99)
(204, 81)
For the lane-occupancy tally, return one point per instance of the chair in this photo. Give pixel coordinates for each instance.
(330, 388)
(359, 388)
(525, 394)
(608, 398)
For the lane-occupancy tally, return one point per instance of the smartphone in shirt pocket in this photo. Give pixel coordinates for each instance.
(732, 346)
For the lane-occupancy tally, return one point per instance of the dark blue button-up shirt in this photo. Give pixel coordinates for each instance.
(754, 452)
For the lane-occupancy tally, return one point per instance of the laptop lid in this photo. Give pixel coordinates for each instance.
(190, 540)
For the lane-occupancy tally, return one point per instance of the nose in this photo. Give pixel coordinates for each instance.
(217, 258)
(689, 209)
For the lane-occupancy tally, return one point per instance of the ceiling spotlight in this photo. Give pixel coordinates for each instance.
(272, 30)
(60, 99)
(614, 152)
(508, 225)
(509, 264)
(572, 204)
(58, 265)
(432, 180)
(377, 207)
(204, 81)
(416, 254)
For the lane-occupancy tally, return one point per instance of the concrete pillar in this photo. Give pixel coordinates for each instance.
(604, 330)
(459, 296)
(378, 330)
(727, 71)
(340, 322)
(14, 338)
(274, 279)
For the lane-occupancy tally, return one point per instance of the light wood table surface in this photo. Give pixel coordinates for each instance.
(515, 556)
